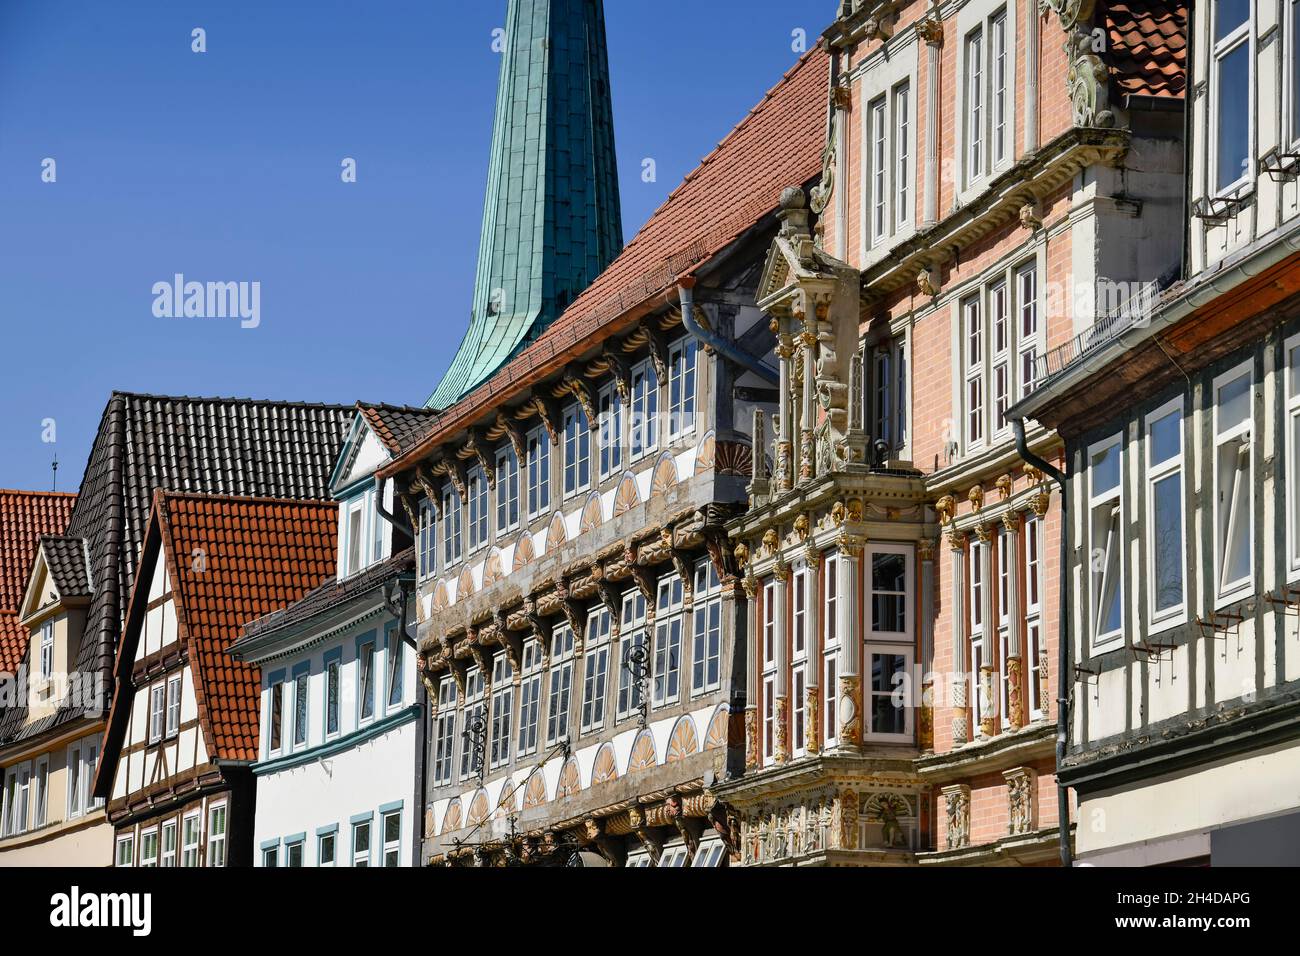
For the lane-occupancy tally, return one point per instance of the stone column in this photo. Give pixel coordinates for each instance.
(753, 663)
(1031, 78)
(850, 631)
(781, 693)
(988, 673)
(785, 352)
(925, 715)
(807, 409)
(1015, 639)
(960, 715)
(931, 31)
(812, 672)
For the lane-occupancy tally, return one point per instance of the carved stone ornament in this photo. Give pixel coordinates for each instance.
(1040, 501)
(976, 497)
(930, 29)
(837, 513)
(742, 555)
(801, 527)
(1004, 487)
(1088, 80)
(946, 509)
(957, 804)
(1031, 216)
(1070, 12)
(928, 283)
(1033, 474)
(1021, 805)
(770, 542)
(855, 509)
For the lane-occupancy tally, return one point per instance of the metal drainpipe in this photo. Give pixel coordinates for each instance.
(1063, 650)
(388, 516)
(686, 286)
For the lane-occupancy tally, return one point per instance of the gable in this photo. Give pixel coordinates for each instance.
(363, 453)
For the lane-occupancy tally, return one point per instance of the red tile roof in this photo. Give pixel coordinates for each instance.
(261, 555)
(25, 517)
(779, 144)
(1148, 46)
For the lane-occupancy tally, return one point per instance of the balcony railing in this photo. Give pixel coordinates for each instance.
(1134, 311)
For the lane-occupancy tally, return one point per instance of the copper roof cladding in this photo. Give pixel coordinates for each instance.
(260, 555)
(225, 446)
(25, 517)
(1148, 46)
(778, 144)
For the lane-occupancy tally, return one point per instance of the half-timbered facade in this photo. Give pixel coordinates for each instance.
(1181, 417)
(341, 710)
(577, 602)
(84, 583)
(182, 732)
(990, 165)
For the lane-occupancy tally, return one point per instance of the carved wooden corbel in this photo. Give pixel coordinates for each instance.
(573, 614)
(515, 434)
(650, 839)
(546, 410)
(644, 581)
(622, 373)
(580, 389)
(690, 828)
(456, 474)
(541, 627)
(609, 597)
(512, 645)
(658, 350)
(682, 563)
(478, 446)
(428, 486)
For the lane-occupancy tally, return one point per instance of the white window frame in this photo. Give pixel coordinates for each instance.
(427, 552)
(576, 432)
(169, 857)
(1220, 50)
(974, 395)
(1028, 325)
(611, 415)
(771, 633)
(595, 671)
(216, 846)
(831, 652)
(1291, 82)
(475, 706)
(530, 698)
(986, 128)
(478, 526)
(909, 670)
(1007, 607)
(538, 445)
(632, 634)
(643, 420)
(507, 490)
(1292, 390)
(706, 636)
(683, 387)
(444, 734)
(451, 527)
(978, 627)
(174, 693)
(395, 671)
(1226, 592)
(889, 392)
(1156, 472)
(669, 637)
(799, 709)
(503, 699)
(1033, 577)
(333, 837)
(147, 838)
(157, 712)
(361, 858)
(878, 159)
(47, 652)
(192, 826)
(559, 690)
(334, 703)
(41, 792)
(127, 841)
(1100, 581)
(908, 553)
(392, 849)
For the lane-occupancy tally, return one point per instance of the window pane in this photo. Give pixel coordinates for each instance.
(1165, 437)
(1228, 15)
(1110, 604)
(1233, 88)
(887, 672)
(1294, 360)
(1105, 470)
(1167, 559)
(1293, 480)
(1234, 403)
(888, 592)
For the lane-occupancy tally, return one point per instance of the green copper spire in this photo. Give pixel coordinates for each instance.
(551, 220)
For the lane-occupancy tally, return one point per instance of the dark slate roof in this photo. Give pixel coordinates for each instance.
(67, 559)
(220, 446)
(399, 427)
(333, 593)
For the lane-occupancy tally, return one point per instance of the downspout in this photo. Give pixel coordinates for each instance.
(686, 286)
(1063, 644)
(388, 516)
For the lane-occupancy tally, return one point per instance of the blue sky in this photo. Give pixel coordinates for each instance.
(225, 166)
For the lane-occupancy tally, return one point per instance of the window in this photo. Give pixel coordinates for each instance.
(1233, 419)
(15, 799)
(354, 525)
(216, 835)
(126, 850)
(769, 718)
(190, 840)
(444, 734)
(977, 620)
(271, 856)
(293, 853)
(889, 163)
(539, 472)
(277, 716)
(396, 657)
(1006, 609)
(530, 696)
(889, 586)
(333, 667)
(475, 723)
(631, 639)
(644, 423)
(47, 650)
(478, 508)
(831, 651)
(710, 853)
(450, 526)
(40, 812)
(798, 711)
(1105, 547)
(887, 397)
(611, 431)
(366, 679)
(157, 713)
(595, 670)
(1033, 550)
(1164, 447)
(799, 614)
(361, 843)
(1002, 338)
(326, 844)
(1292, 482)
(706, 634)
(173, 705)
(561, 685)
(667, 652)
(392, 822)
(770, 637)
(674, 855)
(169, 843)
(503, 702)
(75, 788)
(987, 97)
(577, 451)
(1231, 104)
(428, 541)
(507, 490)
(681, 387)
(300, 688)
(1293, 80)
(149, 848)
(887, 708)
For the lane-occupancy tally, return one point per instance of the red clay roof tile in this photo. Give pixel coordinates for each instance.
(1148, 46)
(25, 517)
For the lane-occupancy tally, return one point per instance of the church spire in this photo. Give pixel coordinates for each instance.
(551, 220)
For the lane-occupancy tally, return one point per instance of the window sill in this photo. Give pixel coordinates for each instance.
(1167, 623)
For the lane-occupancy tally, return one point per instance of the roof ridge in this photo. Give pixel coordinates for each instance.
(26, 492)
(232, 400)
(165, 495)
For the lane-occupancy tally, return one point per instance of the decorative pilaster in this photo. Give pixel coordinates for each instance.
(960, 717)
(957, 805)
(1031, 80)
(784, 466)
(812, 674)
(844, 821)
(850, 662)
(925, 716)
(1022, 802)
(930, 30)
(781, 745)
(1015, 640)
(754, 661)
(807, 413)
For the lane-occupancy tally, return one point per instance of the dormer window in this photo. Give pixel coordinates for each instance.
(361, 533)
(47, 658)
